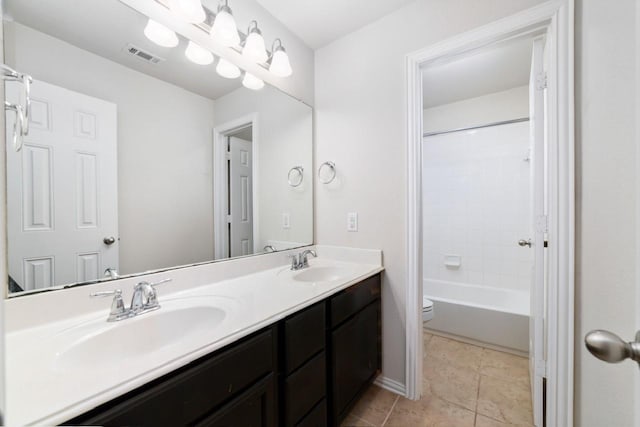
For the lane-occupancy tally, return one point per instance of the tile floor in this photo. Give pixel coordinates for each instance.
(464, 386)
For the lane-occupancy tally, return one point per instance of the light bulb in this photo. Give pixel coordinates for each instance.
(254, 48)
(198, 54)
(227, 70)
(252, 82)
(189, 10)
(224, 28)
(160, 35)
(280, 65)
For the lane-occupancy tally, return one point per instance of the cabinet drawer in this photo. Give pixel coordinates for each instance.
(353, 299)
(256, 407)
(189, 395)
(304, 389)
(304, 336)
(317, 417)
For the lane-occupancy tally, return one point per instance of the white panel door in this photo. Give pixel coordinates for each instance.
(240, 190)
(537, 87)
(62, 189)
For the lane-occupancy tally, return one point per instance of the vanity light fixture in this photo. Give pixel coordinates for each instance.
(254, 48)
(189, 10)
(279, 64)
(160, 35)
(252, 82)
(224, 29)
(227, 70)
(197, 54)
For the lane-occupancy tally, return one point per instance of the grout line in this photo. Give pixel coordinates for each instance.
(390, 411)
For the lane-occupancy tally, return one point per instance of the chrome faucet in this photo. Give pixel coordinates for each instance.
(145, 299)
(300, 261)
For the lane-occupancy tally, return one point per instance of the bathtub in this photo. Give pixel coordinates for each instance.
(479, 314)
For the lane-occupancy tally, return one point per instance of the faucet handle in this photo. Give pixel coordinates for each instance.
(160, 282)
(295, 261)
(118, 310)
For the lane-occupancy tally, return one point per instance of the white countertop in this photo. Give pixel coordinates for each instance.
(42, 390)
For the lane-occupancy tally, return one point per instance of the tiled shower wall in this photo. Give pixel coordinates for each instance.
(476, 206)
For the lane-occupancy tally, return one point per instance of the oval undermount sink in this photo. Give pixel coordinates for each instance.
(100, 342)
(320, 274)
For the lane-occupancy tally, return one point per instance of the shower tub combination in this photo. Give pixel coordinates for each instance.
(490, 316)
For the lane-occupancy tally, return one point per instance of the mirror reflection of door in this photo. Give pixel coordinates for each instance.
(240, 193)
(62, 190)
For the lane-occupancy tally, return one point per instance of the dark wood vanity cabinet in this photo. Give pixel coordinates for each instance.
(355, 345)
(307, 370)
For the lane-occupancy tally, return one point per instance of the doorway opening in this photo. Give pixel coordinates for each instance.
(482, 194)
(490, 204)
(235, 201)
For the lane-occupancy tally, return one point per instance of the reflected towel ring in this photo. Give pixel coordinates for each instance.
(292, 179)
(331, 175)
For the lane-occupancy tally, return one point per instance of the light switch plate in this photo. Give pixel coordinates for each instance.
(352, 221)
(286, 220)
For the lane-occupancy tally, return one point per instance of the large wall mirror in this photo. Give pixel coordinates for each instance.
(137, 158)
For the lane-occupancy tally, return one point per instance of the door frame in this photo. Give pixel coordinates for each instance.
(220, 133)
(556, 17)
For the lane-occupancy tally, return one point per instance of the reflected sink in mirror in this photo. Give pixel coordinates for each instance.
(108, 343)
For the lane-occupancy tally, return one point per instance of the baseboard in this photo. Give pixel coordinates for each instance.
(477, 343)
(391, 385)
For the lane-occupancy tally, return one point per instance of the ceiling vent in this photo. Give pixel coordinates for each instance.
(142, 54)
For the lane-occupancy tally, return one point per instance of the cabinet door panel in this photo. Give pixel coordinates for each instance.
(354, 355)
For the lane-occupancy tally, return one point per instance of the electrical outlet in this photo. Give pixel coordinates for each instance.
(286, 220)
(352, 221)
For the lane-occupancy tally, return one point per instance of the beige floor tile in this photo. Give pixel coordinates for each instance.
(353, 421)
(504, 401)
(505, 366)
(426, 337)
(374, 406)
(429, 411)
(454, 352)
(482, 421)
(455, 384)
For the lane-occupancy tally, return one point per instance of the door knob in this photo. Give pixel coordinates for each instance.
(524, 243)
(109, 240)
(611, 348)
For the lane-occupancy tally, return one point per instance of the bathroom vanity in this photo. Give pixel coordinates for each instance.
(302, 371)
(291, 348)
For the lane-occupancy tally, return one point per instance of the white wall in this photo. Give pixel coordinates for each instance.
(4, 274)
(607, 195)
(359, 100)
(494, 107)
(164, 141)
(476, 206)
(284, 136)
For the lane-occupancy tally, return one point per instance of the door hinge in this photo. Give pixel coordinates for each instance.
(542, 224)
(541, 368)
(227, 155)
(229, 219)
(541, 81)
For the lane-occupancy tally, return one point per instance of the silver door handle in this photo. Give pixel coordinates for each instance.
(524, 243)
(611, 348)
(109, 240)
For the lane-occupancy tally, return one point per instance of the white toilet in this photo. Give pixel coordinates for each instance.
(427, 310)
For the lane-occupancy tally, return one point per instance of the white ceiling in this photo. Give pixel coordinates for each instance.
(116, 26)
(491, 69)
(319, 22)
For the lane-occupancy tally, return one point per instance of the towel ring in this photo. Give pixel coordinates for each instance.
(332, 174)
(291, 179)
